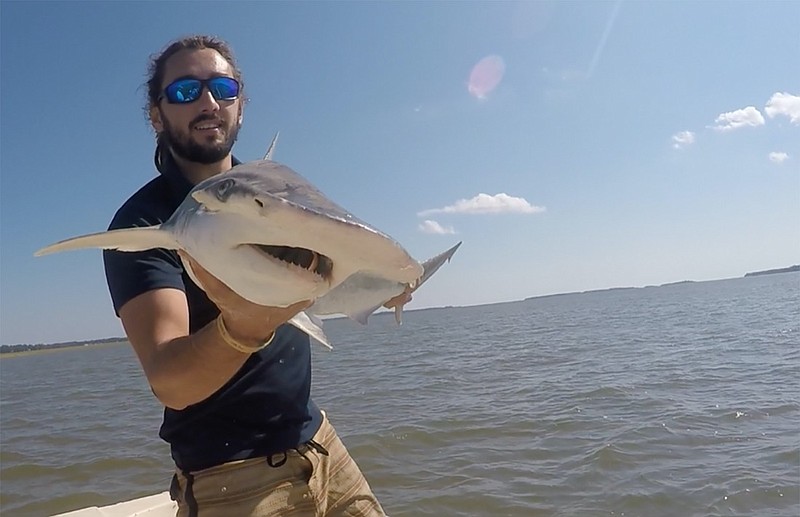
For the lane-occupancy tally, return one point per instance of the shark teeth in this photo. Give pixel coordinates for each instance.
(300, 257)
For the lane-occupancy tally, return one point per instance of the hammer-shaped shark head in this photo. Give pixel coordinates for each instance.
(267, 208)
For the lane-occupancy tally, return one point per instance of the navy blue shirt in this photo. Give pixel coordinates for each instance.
(266, 406)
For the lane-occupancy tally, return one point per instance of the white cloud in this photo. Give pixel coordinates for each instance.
(430, 226)
(486, 204)
(784, 104)
(748, 116)
(778, 157)
(682, 139)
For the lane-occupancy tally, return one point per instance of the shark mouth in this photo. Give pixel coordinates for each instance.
(301, 257)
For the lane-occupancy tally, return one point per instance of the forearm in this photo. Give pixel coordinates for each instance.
(189, 369)
(185, 368)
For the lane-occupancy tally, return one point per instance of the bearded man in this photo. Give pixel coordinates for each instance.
(235, 379)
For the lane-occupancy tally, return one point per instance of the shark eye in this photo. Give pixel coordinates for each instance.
(224, 189)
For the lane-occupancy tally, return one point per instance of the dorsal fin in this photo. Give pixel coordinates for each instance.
(271, 148)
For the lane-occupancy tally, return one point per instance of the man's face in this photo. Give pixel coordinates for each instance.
(205, 130)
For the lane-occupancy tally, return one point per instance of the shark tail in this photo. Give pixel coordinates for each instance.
(429, 267)
(127, 239)
(432, 265)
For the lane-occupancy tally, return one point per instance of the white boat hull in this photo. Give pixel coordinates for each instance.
(158, 505)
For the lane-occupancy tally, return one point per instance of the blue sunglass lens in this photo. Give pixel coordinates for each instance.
(223, 88)
(184, 91)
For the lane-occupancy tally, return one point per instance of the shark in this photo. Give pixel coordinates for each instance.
(275, 239)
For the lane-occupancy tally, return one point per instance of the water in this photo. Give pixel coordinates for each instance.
(681, 400)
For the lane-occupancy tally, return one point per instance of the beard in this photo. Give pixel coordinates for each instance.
(183, 145)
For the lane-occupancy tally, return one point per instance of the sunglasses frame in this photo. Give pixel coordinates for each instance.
(204, 84)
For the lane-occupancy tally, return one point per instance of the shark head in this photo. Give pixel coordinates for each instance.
(234, 230)
(281, 229)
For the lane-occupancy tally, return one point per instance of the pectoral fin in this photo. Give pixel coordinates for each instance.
(312, 326)
(126, 239)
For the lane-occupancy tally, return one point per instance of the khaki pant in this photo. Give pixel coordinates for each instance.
(317, 481)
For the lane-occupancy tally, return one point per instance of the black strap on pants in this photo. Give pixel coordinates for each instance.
(188, 495)
(302, 449)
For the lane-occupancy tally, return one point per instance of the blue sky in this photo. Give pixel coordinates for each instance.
(571, 146)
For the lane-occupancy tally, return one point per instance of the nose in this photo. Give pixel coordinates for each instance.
(207, 101)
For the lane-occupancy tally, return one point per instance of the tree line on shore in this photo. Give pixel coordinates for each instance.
(8, 349)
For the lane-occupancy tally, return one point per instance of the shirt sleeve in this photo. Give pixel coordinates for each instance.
(130, 274)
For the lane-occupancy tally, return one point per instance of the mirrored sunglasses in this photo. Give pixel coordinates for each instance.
(184, 91)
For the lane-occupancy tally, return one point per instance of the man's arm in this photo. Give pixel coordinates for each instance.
(184, 368)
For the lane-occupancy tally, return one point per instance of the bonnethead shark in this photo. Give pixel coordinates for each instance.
(275, 239)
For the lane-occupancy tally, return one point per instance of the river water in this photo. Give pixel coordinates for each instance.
(680, 400)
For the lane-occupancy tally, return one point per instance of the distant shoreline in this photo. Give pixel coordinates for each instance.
(25, 349)
(790, 269)
(8, 351)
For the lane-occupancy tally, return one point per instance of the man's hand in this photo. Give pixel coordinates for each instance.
(247, 322)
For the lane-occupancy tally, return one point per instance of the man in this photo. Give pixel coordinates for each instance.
(234, 378)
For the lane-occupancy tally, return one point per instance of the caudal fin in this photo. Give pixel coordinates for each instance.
(127, 239)
(429, 267)
(432, 265)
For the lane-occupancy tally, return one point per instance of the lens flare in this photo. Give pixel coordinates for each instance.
(485, 76)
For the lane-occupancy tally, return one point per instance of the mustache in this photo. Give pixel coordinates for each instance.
(206, 118)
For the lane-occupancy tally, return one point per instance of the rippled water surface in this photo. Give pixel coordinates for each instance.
(681, 400)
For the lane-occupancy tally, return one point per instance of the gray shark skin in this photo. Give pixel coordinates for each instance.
(275, 239)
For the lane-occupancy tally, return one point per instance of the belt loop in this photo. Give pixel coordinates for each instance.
(279, 463)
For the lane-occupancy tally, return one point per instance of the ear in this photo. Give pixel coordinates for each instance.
(241, 113)
(155, 119)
